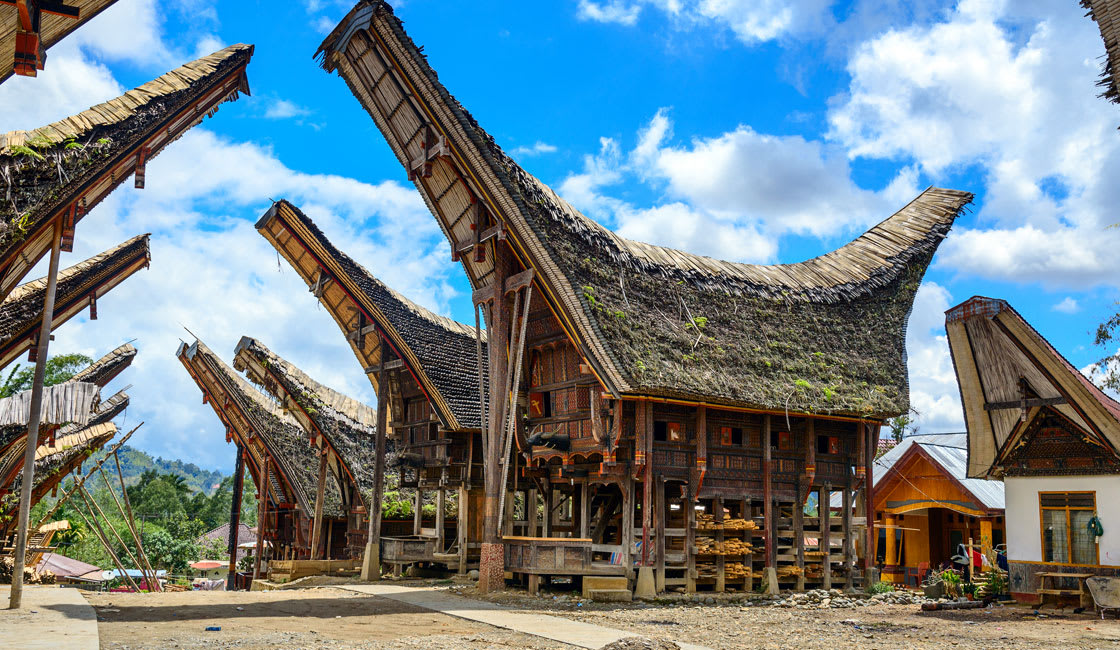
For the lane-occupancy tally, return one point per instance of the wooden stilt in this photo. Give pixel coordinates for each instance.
(825, 510)
(721, 565)
(234, 514)
(627, 525)
(418, 511)
(371, 562)
(262, 510)
(799, 537)
(320, 494)
(531, 512)
(584, 510)
(661, 515)
(768, 493)
(690, 539)
(849, 578)
(441, 522)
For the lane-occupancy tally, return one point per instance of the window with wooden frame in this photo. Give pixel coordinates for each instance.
(731, 436)
(1064, 520)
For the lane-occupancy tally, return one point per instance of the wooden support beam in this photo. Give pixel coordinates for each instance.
(662, 515)
(385, 366)
(1025, 403)
(262, 511)
(849, 554)
(721, 564)
(462, 520)
(627, 525)
(317, 519)
(690, 540)
(234, 516)
(441, 522)
(584, 510)
(417, 512)
(799, 537)
(825, 510)
(768, 493)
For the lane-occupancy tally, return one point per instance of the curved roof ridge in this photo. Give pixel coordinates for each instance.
(360, 412)
(263, 400)
(121, 108)
(879, 253)
(39, 283)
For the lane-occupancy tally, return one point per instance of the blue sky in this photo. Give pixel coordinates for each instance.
(753, 130)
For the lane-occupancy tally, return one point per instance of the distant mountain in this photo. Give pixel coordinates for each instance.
(135, 462)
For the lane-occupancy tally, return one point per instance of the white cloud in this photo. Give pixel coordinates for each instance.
(68, 84)
(934, 394)
(1068, 305)
(282, 109)
(730, 196)
(1009, 91)
(129, 30)
(612, 11)
(538, 148)
(751, 21)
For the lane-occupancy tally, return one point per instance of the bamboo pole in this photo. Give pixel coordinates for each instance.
(92, 504)
(104, 539)
(79, 482)
(144, 566)
(131, 517)
(16, 596)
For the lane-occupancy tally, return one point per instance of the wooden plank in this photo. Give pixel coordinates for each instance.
(768, 492)
(320, 494)
(825, 510)
(799, 537)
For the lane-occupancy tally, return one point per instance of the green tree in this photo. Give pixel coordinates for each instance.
(59, 369)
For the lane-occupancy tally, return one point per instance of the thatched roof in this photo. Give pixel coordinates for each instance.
(53, 463)
(347, 425)
(250, 414)
(22, 311)
(1107, 15)
(439, 352)
(13, 437)
(105, 369)
(826, 335)
(52, 28)
(999, 358)
(62, 170)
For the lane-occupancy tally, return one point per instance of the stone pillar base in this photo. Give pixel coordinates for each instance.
(371, 563)
(646, 586)
(491, 567)
(771, 576)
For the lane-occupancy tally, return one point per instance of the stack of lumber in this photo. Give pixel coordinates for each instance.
(705, 522)
(739, 524)
(814, 571)
(789, 571)
(736, 571)
(705, 570)
(710, 546)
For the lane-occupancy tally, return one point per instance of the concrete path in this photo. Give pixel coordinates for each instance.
(556, 628)
(52, 618)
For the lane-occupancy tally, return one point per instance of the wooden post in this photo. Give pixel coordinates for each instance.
(139, 558)
(234, 515)
(768, 493)
(371, 563)
(969, 558)
(662, 515)
(799, 537)
(849, 552)
(128, 506)
(721, 566)
(866, 458)
(317, 520)
(824, 508)
(441, 522)
(16, 594)
(645, 425)
(690, 540)
(584, 510)
(462, 521)
(262, 512)
(531, 512)
(986, 537)
(748, 513)
(417, 510)
(627, 525)
(491, 571)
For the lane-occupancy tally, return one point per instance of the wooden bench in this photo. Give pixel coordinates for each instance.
(1085, 599)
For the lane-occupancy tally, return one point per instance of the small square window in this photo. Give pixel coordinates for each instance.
(660, 431)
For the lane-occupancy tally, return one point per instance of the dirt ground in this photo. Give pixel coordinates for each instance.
(303, 618)
(727, 625)
(335, 618)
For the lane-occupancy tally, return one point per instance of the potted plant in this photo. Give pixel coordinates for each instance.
(994, 585)
(968, 589)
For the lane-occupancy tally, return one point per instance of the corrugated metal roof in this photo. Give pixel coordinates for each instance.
(950, 451)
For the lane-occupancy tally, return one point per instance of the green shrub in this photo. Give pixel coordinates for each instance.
(880, 588)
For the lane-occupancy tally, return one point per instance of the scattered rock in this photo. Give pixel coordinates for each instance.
(640, 643)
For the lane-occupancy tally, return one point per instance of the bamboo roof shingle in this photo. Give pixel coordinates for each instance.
(348, 425)
(264, 428)
(997, 356)
(79, 286)
(52, 29)
(62, 170)
(826, 335)
(440, 353)
(1106, 13)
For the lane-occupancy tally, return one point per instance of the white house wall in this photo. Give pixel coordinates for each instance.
(1024, 537)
